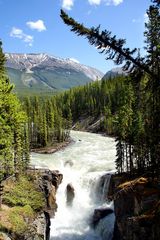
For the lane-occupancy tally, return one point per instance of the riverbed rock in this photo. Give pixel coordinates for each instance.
(70, 194)
(68, 163)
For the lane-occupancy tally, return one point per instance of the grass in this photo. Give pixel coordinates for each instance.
(22, 193)
(21, 201)
(18, 216)
(16, 219)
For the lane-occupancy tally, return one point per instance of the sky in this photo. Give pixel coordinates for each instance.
(35, 26)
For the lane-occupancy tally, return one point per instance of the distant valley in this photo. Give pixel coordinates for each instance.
(36, 73)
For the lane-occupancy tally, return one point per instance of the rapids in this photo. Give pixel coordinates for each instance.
(82, 164)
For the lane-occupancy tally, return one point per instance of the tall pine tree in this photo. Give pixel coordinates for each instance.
(12, 123)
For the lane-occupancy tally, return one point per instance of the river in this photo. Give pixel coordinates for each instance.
(82, 164)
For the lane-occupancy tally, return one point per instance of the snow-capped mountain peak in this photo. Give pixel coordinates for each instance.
(44, 71)
(29, 61)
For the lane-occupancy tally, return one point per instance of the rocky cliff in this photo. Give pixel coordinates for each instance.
(48, 181)
(137, 208)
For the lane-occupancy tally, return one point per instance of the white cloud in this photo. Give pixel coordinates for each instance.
(113, 2)
(18, 33)
(74, 60)
(94, 2)
(38, 25)
(108, 2)
(117, 2)
(67, 4)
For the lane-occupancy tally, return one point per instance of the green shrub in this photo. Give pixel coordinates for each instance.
(17, 220)
(24, 192)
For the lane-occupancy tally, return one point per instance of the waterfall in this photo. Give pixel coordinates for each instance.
(105, 226)
(99, 187)
(91, 159)
(105, 188)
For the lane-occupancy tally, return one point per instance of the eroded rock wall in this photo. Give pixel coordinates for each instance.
(136, 204)
(49, 183)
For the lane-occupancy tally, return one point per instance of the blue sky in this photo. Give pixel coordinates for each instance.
(34, 26)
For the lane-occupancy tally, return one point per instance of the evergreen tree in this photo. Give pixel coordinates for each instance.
(152, 35)
(12, 122)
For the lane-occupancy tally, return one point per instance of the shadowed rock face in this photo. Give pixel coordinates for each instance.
(136, 208)
(99, 214)
(70, 194)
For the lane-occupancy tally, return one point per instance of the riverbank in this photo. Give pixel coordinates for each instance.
(92, 124)
(54, 148)
(88, 124)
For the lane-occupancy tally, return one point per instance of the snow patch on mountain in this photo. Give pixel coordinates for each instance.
(29, 62)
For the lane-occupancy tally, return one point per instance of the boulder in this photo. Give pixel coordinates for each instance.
(99, 214)
(68, 163)
(70, 194)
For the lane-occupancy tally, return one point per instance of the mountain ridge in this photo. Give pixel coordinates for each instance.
(43, 72)
(114, 72)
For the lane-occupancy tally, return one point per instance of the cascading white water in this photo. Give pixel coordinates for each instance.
(82, 164)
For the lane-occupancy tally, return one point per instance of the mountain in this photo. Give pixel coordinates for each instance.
(114, 72)
(44, 73)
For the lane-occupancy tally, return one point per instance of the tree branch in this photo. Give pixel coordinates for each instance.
(109, 45)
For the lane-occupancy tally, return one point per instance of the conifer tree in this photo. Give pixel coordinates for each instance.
(152, 35)
(12, 121)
